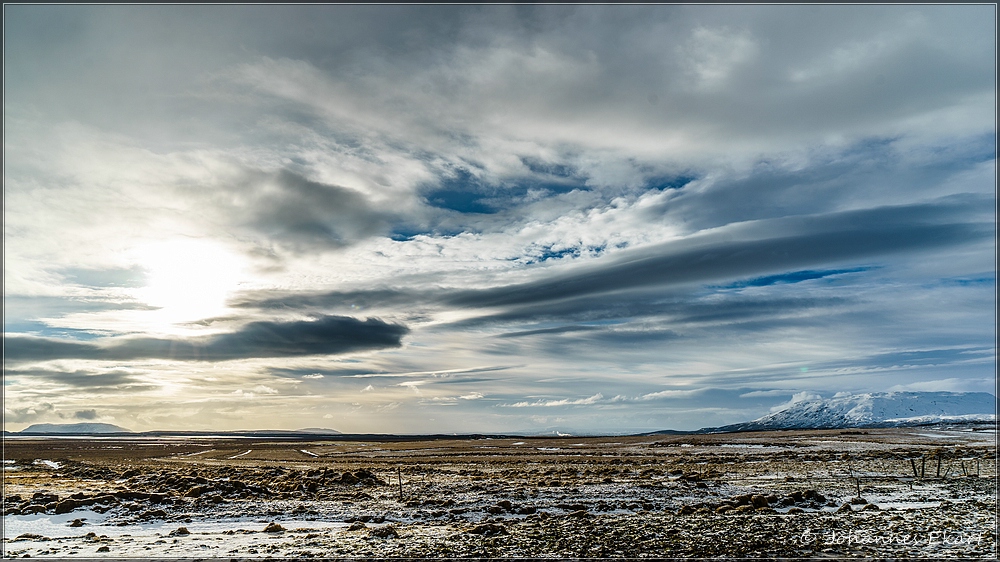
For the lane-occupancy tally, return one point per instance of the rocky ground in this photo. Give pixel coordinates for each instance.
(793, 494)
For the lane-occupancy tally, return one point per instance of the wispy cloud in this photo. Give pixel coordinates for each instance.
(561, 402)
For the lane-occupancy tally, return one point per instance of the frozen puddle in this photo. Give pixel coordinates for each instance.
(213, 538)
(57, 526)
(907, 505)
(52, 526)
(942, 435)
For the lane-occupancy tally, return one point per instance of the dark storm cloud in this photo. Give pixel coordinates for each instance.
(679, 309)
(301, 214)
(328, 335)
(85, 414)
(82, 380)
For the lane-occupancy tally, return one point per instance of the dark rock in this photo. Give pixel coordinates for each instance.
(813, 495)
(44, 498)
(76, 523)
(195, 491)
(103, 549)
(273, 528)
(858, 501)
(488, 530)
(387, 532)
(758, 501)
(742, 499)
(357, 526)
(67, 506)
(179, 531)
(846, 508)
(149, 514)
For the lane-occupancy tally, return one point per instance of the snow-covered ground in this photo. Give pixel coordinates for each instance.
(526, 489)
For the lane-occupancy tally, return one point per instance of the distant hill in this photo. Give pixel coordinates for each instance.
(319, 430)
(883, 409)
(74, 428)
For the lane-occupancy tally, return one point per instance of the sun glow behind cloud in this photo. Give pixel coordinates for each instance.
(188, 280)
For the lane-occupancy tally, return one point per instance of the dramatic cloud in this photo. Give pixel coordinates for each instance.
(740, 250)
(328, 335)
(616, 218)
(302, 214)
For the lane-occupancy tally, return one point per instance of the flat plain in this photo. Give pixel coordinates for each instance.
(902, 492)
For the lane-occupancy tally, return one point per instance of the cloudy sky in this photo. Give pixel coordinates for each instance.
(454, 219)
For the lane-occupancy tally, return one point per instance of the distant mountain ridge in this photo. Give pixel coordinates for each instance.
(319, 430)
(74, 428)
(880, 409)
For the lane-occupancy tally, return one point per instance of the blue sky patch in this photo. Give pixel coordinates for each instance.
(793, 277)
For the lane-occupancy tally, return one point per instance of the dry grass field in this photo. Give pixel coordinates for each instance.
(792, 493)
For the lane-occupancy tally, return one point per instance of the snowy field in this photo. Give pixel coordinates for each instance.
(792, 493)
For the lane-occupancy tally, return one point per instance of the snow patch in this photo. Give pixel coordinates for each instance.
(876, 409)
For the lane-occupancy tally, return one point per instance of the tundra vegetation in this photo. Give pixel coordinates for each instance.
(907, 492)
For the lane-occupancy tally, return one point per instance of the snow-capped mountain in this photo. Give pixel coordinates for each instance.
(74, 428)
(883, 409)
